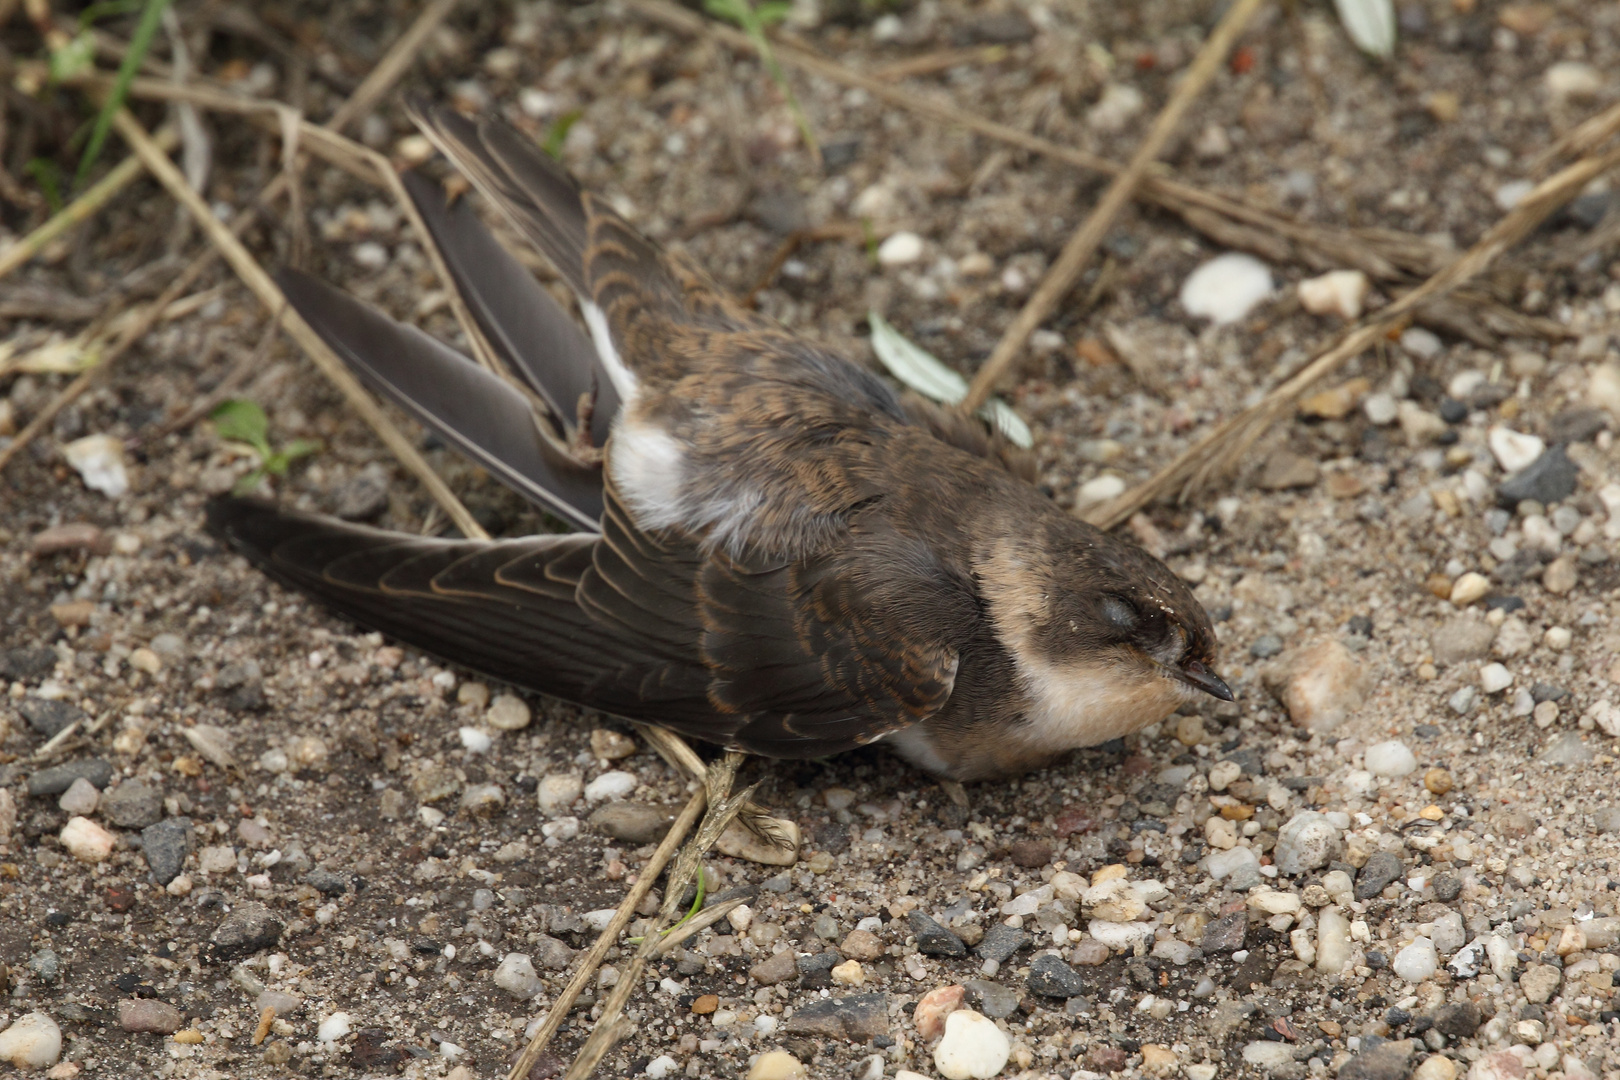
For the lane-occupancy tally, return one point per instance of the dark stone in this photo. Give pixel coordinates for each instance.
(778, 968)
(1000, 28)
(1225, 934)
(1141, 973)
(425, 946)
(1526, 562)
(327, 882)
(1542, 691)
(1447, 887)
(1376, 960)
(1587, 211)
(934, 939)
(1105, 1058)
(858, 1017)
(1453, 411)
(1249, 760)
(1386, 1061)
(831, 838)
(1030, 854)
(841, 153)
(1505, 604)
(245, 931)
(1001, 941)
(1266, 646)
(1548, 479)
(994, 1000)
(1360, 626)
(817, 970)
(372, 1052)
(48, 717)
(1397, 1017)
(59, 778)
(363, 497)
(1051, 977)
(1426, 731)
(133, 805)
(1460, 1021)
(1257, 970)
(1577, 425)
(27, 663)
(1374, 877)
(166, 845)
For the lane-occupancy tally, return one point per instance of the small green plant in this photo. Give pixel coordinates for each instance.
(49, 179)
(243, 422)
(697, 906)
(753, 19)
(557, 133)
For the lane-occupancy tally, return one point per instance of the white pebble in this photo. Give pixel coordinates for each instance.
(615, 784)
(516, 975)
(1512, 193)
(1513, 449)
(508, 712)
(1494, 678)
(563, 828)
(1381, 408)
(1390, 758)
(1118, 936)
(1338, 292)
(1099, 489)
(33, 1042)
(1558, 638)
(86, 841)
(900, 249)
(1417, 961)
(1268, 1055)
(598, 920)
(80, 798)
(1572, 81)
(1226, 288)
(99, 461)
(1118, 106)
(333, 1028)
(1420, 343)
(661, 1066)
(1239, 863)
(973, 1047)
(371, 255)
(1332, 941)
(558, 791)
(475, 741)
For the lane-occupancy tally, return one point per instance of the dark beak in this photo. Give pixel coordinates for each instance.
(1194, 673)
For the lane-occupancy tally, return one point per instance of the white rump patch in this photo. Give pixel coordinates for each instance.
(912, 743)
(624, 380)
(648, 469)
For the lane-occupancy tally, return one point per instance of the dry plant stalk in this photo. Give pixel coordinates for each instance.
(610, 934)
(1084, 243)
(1221, 449)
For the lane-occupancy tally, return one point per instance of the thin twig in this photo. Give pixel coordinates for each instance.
(1086, 239)
(84, 207)
(270, 295)
(1218, 451)
(1583, 138)
(701, 921)
(392, 66)
(610, 934)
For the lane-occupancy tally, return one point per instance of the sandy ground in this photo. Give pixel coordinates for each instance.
(374, 844)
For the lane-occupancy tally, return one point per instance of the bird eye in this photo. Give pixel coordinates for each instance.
(1119, 613)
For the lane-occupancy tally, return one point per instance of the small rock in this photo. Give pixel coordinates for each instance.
(1448, 934)
(59, 778)
(46, 966)
(1309, 841)
(1381, 409)
(508, 712)
(516, 975)
(1539, 982)
(1338, 292)
(1320, 685)
(1390, 759)
(1549, 478)
(213, 744)
(245, 931)
(1030, 854)
(1238, 869)
(1386, 1061)
(1469, 588)
(935, 1006)
(551, 954)
(610, 745)
(1513, 450)
(1001, 942)
(1049, 976)
(900, 249)
(99, 461)
(1380, 869)
(1264, 648)
(1286, 471)
(849, 973)
(46, 716)
(1561, 575)
(1419, 425)
(1567, 748)
(33, 1041)
(363, 497)
(632, 822)
(991, 998)
(559, 791)
(87, 841)
(611, 785)
(69, 536)
(777, 1065)
(777, 968)
(132, 805)
(1225, 934)
(1460, 1021)
(80, 798)
(1499, 1065)
(333, 1028)
(1226, 288)
(973, 1048)
(1572, 80)
(150, 1015)
(740, 843)
(27, 663)
(165, 845)
(1119, 104)
(1417, 961)
(934, 939)
(857, 1017)
(1268, 1056)
(862, 945)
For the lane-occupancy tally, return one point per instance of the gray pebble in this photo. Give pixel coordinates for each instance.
(48, 717)
(1001, 941)
(1447, 887)
(1459, 1021)
(934, 939)
(1462, 701)
(133, 805)
(46, 966)
(1374, 877)
(1548, 479)
(361, 498)
(1307, 842)
(1225, 934)
(632, 822)
(245, 931)
(59, 778)
(150, 1016)
(551, 954)
(1462, 638)
(1051, 977)
(826, 927)
(166, 845)
(27, 663)
(858, 1017)
(994, 1000)
(816, 970)
(1266, 647)
(1567, 748)
(327, 882)
(1386, 1061)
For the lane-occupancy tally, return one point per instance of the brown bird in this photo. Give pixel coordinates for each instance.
(776, 552)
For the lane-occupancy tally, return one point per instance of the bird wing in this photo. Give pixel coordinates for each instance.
(790, 660)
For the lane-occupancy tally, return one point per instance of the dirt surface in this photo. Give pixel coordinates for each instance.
(363, 843)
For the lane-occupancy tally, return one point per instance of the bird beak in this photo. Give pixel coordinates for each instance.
(1194, 673)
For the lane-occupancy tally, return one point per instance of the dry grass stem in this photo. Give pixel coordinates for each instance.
(1219, 451)
(621, 918)
(1086, 239)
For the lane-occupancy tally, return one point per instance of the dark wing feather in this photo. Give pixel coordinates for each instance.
(797, 660)
(475, 409)
(535, 337)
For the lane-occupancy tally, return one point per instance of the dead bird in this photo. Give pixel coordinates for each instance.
(775, 552)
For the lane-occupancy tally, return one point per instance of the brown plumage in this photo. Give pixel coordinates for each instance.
(790, 559)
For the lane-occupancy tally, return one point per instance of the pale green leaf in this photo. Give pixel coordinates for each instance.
(1370, 24)
(922, 371)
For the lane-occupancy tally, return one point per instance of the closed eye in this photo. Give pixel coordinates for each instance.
(1120, 614)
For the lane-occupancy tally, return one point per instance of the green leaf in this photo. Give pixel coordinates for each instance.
(557, 134)
(139, 44)
(278, 463)
(733, 11)
(920, 370)
(49, 179)
(772, 12)
(74, 57)
(244, 422)
(1370, 24)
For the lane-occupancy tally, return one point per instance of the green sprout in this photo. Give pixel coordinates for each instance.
(557, 133)
(697, 905)
(753, 19)
(244, 423)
